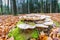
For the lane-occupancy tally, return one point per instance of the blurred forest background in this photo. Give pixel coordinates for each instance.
(29, 6)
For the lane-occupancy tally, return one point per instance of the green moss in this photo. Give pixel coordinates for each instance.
(56, 23)
(20, 37)
(20, 22)
(35, 34)
(16, 33)
(13, 32)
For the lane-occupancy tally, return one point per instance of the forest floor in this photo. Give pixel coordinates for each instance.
(55, 17)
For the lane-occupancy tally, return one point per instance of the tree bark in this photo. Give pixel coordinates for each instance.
(8, 7)
(1, 7)
(14, 7)
(28, 6)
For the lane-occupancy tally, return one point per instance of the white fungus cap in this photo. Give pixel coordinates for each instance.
(25, 26)
(48, 23)
(41, 25)
(42, 17)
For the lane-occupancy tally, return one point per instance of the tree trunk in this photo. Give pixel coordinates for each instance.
(8, 7)
(14, 7)
(41, 6)
(1, 7)
(28, 6)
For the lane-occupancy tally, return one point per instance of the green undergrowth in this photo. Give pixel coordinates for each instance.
(57, 23)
